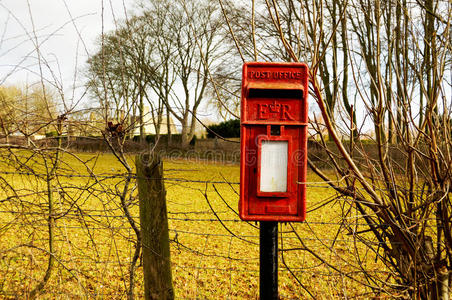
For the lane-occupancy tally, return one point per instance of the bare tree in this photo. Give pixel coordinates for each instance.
(111, 79)
(195, 30)
(29, 110)
(162, 56)
(399, 182)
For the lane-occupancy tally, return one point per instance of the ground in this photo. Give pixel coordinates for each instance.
(210, 259)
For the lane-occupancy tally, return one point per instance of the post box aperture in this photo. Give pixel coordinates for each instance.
(273, 141)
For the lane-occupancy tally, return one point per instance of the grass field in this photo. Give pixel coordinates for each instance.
(94, 242)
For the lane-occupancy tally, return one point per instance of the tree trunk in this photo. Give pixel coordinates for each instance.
(186, 133)
(185, 141)
(168, 129)
(51, 174)
(141, 119)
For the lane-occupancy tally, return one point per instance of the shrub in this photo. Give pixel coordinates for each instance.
(226, 129)
(176, 139)
(51, 134)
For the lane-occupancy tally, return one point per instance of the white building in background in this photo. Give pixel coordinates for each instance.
(149, 127)
(200, 129)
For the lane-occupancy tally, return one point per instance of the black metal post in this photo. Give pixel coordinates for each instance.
(268, 276)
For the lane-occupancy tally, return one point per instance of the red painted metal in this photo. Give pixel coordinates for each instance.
(274, 96)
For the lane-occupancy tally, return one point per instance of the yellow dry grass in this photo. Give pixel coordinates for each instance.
(94, 242)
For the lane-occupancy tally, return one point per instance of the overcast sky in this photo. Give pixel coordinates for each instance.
(64, 45)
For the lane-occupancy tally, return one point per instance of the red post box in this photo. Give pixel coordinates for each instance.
(273, 136)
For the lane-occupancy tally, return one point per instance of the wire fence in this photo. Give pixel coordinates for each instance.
(213, 253)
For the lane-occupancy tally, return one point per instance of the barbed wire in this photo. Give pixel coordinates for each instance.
(87, 213)
(319, 184)
(191, 232)
(197, 233)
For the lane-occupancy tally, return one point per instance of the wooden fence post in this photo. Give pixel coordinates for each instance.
(154, 228)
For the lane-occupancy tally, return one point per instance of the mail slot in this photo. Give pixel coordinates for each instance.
(274, 117)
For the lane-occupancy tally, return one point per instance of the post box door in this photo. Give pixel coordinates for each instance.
(272, 202)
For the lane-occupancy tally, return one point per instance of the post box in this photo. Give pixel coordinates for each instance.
(273, 137)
